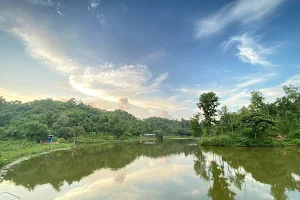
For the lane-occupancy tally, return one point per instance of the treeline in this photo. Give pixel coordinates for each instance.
(37, 119)
(260, 120)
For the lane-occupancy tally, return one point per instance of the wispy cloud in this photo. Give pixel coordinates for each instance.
(93, 7)
(238, 95)
(41, 2)
(39, 43)
(60, 13)
(241, 11)
(153, 56)
(94, 3)
(253, 79)
(272, 93)
(250, 50)
(10, 95)
(108, 82)
(242, 97)
(112, 83)
(127, 78)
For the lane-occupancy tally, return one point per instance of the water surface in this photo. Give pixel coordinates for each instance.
(172, 169)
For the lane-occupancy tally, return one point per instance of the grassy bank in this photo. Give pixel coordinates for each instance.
(232, 140)
(14, 149)
(112, 139)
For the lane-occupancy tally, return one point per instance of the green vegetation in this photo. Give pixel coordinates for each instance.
(12, 150)
(68, 120)
(24, 125)
(259, 124)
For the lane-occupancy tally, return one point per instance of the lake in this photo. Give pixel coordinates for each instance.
(172, 169)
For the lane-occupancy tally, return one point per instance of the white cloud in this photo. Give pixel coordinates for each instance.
(108, 82)
(254, 79)
(242, 98)
(94, 3)
(11, 96)
(238, 95)
(242, 11)
(111, 83)
(123, 103)
(164, 114)
(60, 13)
(39, 43)
(93, 6)
(152, 56)
(237, 99)
(272, 93)
(249, 50)
(41, 2)
(132, 79)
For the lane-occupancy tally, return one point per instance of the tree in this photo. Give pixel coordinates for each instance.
(208, 103)
(195, 126)
(256, 124)
(2, 100)
(35, 131)
(257, 101)
(158, 134)
(79, 130)
(66, 132)
(225, 120)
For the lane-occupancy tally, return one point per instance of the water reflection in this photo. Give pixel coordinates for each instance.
(228, 168)
(169, 169)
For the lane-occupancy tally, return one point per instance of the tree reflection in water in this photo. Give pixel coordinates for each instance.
(227, 172)
(226, 168)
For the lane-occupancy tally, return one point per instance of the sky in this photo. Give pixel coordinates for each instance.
(150, 58)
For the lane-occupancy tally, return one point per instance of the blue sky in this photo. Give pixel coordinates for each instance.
(150, 58)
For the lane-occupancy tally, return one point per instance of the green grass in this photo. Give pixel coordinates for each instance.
(109, 138)
(12, 150)
(233, 140)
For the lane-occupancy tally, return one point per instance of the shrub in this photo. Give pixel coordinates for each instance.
(60, 140)
(35, 130)
(294, 134)
(236, 140)
(66, 132)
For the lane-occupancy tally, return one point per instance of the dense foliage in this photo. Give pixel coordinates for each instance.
(260, 123)
(35, 120)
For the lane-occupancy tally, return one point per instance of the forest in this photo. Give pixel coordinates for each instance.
(37, 119)
(259, 124)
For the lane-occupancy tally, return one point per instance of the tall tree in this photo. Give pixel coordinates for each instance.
(208, 103)
(195, 126)
(225, 120)
(257, 101)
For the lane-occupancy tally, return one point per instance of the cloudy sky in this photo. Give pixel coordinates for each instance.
(150, 58)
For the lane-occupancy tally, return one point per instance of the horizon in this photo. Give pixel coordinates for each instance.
(149, 59)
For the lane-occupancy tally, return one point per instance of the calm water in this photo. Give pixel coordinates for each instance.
(168, 170)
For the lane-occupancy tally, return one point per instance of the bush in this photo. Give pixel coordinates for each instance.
(221, 140)
(35, 130)
(60, 140)
(295, 134)
(66, 132)
(234, 140)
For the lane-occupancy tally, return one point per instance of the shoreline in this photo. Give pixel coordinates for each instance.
(237, 141)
